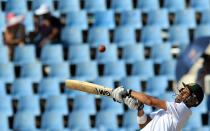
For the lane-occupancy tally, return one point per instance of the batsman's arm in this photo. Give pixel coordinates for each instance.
(140, 113)
(149, 100)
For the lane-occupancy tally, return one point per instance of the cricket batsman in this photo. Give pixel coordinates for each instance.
(171, 116)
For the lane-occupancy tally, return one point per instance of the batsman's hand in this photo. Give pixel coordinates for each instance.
(118, 94)
(133, 104)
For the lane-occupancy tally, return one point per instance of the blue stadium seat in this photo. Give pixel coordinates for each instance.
(2, 88)
(168, 68)
(3, 21)
(174, 5)
(115, 69)
(86, 71)
(151, 35)
(124, 36)
(195, 121)
(4, 54)
(21, 87)
(52, 54)
(186, 18)
(57, 103)
(119, 6)
(131, 18)
(29, 22)
(37, 3)
(107, 120)
(167, 96)
(78, 54)
(158, 18)
(131, 82)
(129, 120)
(104, 81)
(202, 31)
(60, 71)
(32, 71)
(52, 121)
(73, 93)
(1, 37)
(79, 120)
(6, 105)
(156, 85)
(24, 121)
(161, 52)
(143, 69)
(81, 104)
(48, 87)
(200, 5)
(205, 17)
(77, 19)
(24, 54)
(98, 36)
(76, 36)
(107, 56)
(92, 6)
(178, 35)
(104, 19)
(16, 6)
(108, 104)
(132, 53)
(4, 122)
(66, 6)
(29, 104)
(7, 73)
(147, 5)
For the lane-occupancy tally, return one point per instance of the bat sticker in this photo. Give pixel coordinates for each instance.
(103, 92)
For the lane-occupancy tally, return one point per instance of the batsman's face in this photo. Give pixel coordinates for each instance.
(183, 94)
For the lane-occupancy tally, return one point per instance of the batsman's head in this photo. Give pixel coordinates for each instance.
(192, 94)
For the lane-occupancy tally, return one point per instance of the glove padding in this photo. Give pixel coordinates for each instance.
(118, 94)
(133, 104)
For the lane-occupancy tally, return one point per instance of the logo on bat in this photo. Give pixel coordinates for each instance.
(103, 92)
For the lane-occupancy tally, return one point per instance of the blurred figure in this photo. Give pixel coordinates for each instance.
(15, 32)
(47, 27)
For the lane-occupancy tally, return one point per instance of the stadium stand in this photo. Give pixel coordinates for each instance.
(174, 5)
(4, 54)
(66, 6)
(93, 6)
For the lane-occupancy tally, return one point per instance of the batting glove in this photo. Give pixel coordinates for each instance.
(133, 104)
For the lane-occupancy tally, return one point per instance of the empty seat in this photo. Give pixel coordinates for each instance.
(174, 5)
(60, 71)
(48, 87)
(131, 82)
(158, 18)
(168, 68)
(104, 19)
(199, 5)
(178, 35)
(38, 3)
(124, 36)
(66, 6)
(7, 73)
(195, 121)
(29, 22)
(32, 71)
(143, 69)
(77, 19)
(78, 54)
(16, 6)
(185, 18)
(148, 5)
(119, 6)
(161, 52)
(4, 123)
(132, 53)
(167, 96)
(29, 104)
(109, 55)
(79, 120)
(202, 31)
(205, 17)
(51, 54)
(52, 121)
(98, 36)
(93, 6)
(81, 104)
(115, 69)
(57, 103)
(129, 120)
(21, 87)
(2, 88)
(6, 105)
(151, 35)
(24, 121)
(131, 18)
(4, 54)
(24, 54)
(76, 36)
(2, 22)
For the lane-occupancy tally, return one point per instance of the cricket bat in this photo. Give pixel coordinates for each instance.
(89, 88)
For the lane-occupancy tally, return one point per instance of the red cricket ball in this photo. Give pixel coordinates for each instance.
(101, 48)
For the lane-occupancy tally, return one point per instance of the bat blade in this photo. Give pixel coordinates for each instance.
(89, 88)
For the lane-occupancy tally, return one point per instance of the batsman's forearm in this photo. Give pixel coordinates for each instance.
(146, 99)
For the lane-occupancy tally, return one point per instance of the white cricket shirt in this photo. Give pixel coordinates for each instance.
(173, 119)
